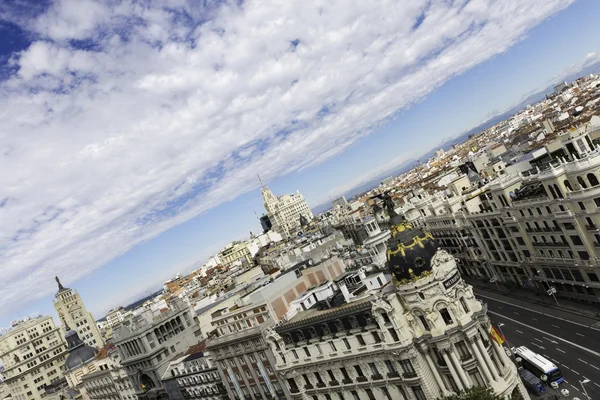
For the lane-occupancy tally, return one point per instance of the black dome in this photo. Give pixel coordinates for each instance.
(79, 356)
(410, 251)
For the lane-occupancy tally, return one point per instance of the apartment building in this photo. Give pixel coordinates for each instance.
(536, 229)
(244, 361)
(147, 344)
(33, 353)
(72, 312)
(109, 381)
(420, 338)
(194, 376)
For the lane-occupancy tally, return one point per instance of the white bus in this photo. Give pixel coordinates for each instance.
(539, 365)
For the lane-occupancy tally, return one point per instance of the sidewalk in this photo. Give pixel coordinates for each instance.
(581, 309)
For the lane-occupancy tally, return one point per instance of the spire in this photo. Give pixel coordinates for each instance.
(60, 286)
(260, 180)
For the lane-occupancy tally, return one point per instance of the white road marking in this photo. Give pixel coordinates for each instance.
(560, 350)
(550, 340)
(564, 366)
(593, 366)
(574, 387)
(585, 362)
(546, 333)
(514, 312)
(539, 312)
(538, 346)
(519, 331)
(579, 334)
(575, 372)
(556, 326)
(596, 384)
(534, 319)
(538, 340)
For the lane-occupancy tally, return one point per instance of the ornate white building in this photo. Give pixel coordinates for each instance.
(285, 211)
(72, 312)
(419, 338)
(33, 354)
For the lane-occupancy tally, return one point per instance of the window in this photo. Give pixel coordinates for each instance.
(346, 343)
(361, 341)
(463, 351)
(373, 368)
(418, 392)
(355, 395)
(390, 366)
(332, 345)
(584, 255)
(295, 354)
(358, 370)
(597, 201)
(424, 322)
(476, 378)
(376, 337)
(394, 335)
(386, 393)
(370, 394)
(576, 240)
(307, 352)
(407, 367)
(464, 304)
(446, 316)
(581, 205)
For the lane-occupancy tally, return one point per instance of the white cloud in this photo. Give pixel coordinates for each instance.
(105, 146)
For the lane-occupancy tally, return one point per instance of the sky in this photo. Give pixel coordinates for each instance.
(132, 132)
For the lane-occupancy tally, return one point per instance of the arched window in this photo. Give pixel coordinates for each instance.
(581, 182)
(552, 192)
(592, 179)
(567, 184)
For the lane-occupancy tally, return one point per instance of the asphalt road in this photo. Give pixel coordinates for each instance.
(571, 341)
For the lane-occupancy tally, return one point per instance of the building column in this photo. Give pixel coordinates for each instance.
(452, 371)
(460, 370)
(436, 373)
(487, 357)
(481, 360)
(499, 356)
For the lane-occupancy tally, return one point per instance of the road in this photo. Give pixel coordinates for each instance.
(570, 341)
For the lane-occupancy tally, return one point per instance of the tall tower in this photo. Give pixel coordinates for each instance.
(72, 312)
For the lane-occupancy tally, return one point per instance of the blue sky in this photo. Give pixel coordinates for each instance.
(134, 151)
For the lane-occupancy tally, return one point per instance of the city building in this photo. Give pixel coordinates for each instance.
(80, 360)
(419, 338)
(194, 376)
(109, 381)
(72, 312)
(115, 317)
(33, 354)
(244, 361)
(147, 344)
(285, 211)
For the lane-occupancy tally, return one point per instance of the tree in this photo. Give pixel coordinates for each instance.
(475, 393)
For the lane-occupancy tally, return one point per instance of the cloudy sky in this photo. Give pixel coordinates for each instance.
(132, 131)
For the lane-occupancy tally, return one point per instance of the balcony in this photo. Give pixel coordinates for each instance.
(347, 381)
(334, 383)
(376, 377)
(308, 386)
(321, 384)
(361, 379)
(294, 389)
(394, 374)
(409, 375)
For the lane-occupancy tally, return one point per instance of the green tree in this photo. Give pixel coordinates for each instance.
(475, 393)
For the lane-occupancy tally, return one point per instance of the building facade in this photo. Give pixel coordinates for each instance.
(194, 376)
(285, 211)
(33, 354)
(72, 312)
(146, 345)
(109, 381)
(420, 338)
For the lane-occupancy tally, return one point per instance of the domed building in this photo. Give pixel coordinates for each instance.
(418, 334)
(80, 360)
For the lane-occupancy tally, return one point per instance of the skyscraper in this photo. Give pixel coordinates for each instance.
(285, 211)
(72, 312)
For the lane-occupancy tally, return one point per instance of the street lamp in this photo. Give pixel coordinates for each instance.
(551, 289)
(583, 382)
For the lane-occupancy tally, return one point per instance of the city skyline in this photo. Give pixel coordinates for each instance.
(165, 234)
